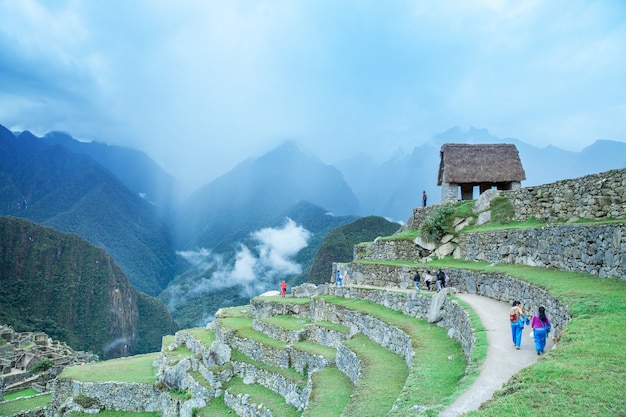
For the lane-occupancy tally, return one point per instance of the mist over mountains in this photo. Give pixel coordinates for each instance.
(243, 232)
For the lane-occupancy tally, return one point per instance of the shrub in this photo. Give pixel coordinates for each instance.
(42, 366)
(438, 224)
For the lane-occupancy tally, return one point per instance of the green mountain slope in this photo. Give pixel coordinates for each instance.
(62, 285)
(72, 193)
(339, 243)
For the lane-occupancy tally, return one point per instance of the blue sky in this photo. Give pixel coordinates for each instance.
(200, 85)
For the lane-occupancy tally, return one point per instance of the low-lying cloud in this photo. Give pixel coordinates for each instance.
(255, 269)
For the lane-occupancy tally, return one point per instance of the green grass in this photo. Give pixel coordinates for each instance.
(316, 349)
(261, 395)
(288, 299)
(434, 378)
(110, 413)
(215, 408)
(131, 369)
(409, 234)
(330, 394)
(383, 374)
(204, 336)
(288, 322)
(586, 374)
(8, 408)
(28, 392)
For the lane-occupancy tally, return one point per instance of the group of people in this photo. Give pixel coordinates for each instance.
(441, 280)
(540, 324)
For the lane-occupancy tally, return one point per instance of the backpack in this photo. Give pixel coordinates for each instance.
(513, 316)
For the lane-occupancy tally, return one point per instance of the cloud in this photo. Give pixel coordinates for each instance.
(255, 270)
(200, 86)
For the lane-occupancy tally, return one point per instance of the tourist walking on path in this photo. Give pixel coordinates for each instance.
(516, 316)
(424, 198)
(416, 281)
(339, 280)
(283, 288)
(441, 280)
(541, 327)
(498, 366)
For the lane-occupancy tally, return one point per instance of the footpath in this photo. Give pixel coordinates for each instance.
(502, 361)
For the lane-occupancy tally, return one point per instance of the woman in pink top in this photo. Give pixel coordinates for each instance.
(541, 326)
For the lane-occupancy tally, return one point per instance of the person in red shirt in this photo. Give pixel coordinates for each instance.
(283, 288)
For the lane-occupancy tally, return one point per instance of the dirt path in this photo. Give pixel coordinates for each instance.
(503, 360)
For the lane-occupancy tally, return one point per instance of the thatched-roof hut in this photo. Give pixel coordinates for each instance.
(485, 166)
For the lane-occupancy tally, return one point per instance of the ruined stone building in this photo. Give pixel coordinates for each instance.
(466, 166)
(21, 351)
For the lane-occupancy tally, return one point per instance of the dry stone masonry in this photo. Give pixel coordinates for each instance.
(205, 372)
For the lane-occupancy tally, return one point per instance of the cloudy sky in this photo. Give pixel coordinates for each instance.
(200, 85)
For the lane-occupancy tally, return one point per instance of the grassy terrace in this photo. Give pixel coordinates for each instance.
(130, 369)
(586, 374)
(434, 380)
(261, 395)
(15, 404)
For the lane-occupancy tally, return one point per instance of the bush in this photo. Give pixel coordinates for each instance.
(42, 366)
(438, 224)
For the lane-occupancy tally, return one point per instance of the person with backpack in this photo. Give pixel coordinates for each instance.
(416, 281)
(338, 280)
(517, 319)
(541, 327)
(441, 280)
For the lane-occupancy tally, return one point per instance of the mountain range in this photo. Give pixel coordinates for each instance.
(216, 247)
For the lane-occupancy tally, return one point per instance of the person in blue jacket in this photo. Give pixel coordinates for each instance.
(339, 281)
(516, 316)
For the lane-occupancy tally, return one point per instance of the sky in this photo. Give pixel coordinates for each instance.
(201, 85)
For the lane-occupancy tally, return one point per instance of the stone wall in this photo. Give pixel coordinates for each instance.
(263, 309)
(595, 249)
(294, 394)
(381, 250)
(449, 315)
(590, 197)
(497, 286)
(382, 333)
(379, 275)
(120, 396)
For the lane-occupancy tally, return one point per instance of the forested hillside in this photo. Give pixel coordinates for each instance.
(338, 245)
(62, 285)
(71, 192)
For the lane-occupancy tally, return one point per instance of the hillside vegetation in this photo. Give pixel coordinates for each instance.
(62, 285)
(54, 187)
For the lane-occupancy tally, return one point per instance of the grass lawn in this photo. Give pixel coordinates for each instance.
(131, 369)
(586, 374)
(434, 379)
(8, 408)
(330, 394)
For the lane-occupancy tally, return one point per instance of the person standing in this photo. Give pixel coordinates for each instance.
(416, 281)
(424, 198)
(541, 327)
(516, 316)
(283, 288)
(441, 280)
(339, 280)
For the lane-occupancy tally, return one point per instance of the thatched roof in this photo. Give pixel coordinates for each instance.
(493, 163)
